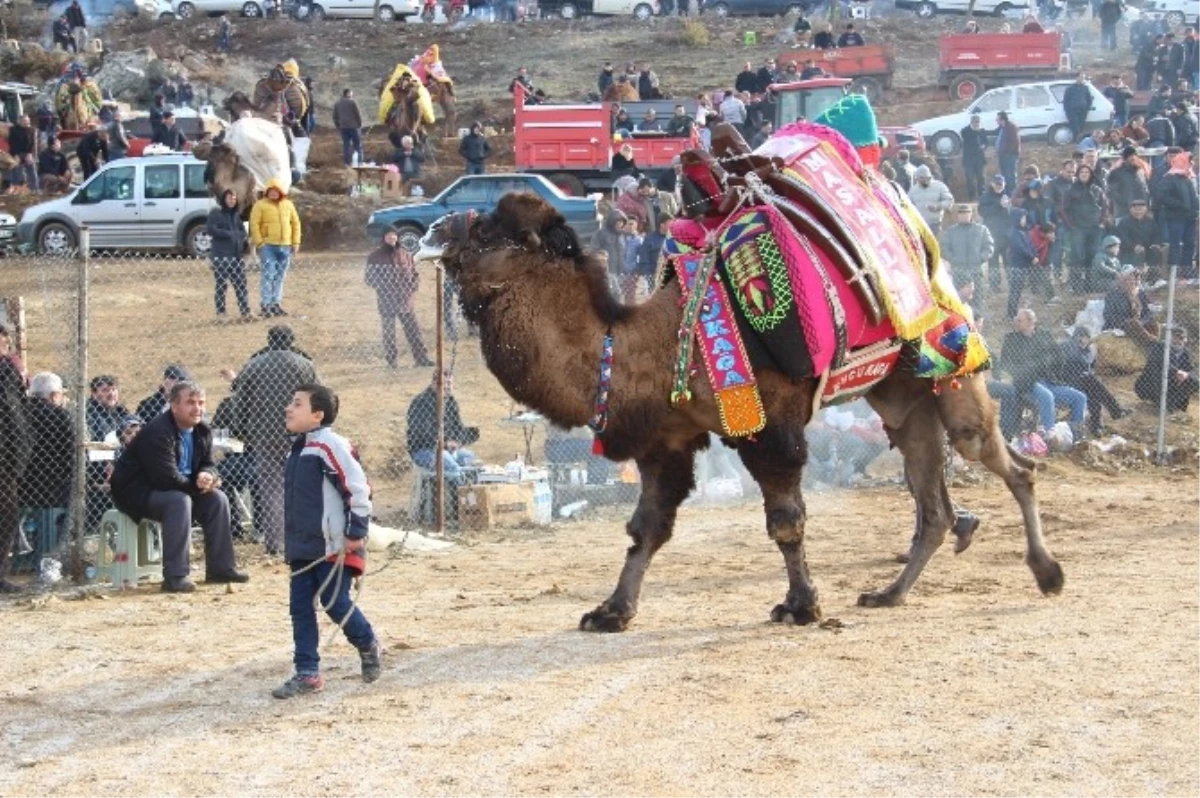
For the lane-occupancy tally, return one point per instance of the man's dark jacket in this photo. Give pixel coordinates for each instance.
(422, 423)
(151, 462)
(47, 480)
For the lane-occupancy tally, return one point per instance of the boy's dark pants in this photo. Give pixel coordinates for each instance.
(305, 632)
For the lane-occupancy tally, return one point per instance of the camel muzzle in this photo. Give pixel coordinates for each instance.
(432, 243)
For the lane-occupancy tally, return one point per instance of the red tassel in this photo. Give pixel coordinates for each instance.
(597, 447)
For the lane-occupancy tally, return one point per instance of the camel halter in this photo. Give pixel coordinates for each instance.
(599, 420)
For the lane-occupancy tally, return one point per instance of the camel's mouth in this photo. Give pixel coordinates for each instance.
(433, 243)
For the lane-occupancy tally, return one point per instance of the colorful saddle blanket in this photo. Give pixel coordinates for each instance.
(822, 270)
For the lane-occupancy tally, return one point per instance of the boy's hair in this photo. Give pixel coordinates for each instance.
(321, 399)
(665, 218)
(1047, 227)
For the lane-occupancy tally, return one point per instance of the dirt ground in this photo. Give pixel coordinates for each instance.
(978, 686)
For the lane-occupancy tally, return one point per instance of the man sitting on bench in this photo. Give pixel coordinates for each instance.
(167, 474)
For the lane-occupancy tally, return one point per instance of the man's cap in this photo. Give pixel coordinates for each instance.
(103, 380)
(923, 171)
(963, 208)
(1110, 241)
(176, 371)
(131, 421)
(1137, 202)
(998, 179)
(1128, 152)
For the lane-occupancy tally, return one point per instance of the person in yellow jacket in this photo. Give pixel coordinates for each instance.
(275, 233)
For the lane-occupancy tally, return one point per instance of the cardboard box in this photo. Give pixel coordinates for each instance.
(392, 187)
(482, 507)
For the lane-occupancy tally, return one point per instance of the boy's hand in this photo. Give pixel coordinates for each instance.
(354, 545)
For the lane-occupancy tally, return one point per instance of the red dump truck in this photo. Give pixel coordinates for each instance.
(573, 144)
(869, 67)
(971, 63)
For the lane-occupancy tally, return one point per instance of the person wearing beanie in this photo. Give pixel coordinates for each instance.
(931, 197)
(1106, 264)
(157, 402)
(1127, 181)
(993, 210)
(392, 272)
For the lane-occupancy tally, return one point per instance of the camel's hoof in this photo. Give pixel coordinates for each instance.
(1049, 577)
(602, 619)
(795, 616)
(880, 599)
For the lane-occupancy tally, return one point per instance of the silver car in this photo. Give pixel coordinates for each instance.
(389, 10)
(186, 9)
(156, 202)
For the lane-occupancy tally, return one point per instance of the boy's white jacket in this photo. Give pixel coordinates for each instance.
(327, 496)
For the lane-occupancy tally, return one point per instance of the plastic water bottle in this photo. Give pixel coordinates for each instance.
(570, 510)
(90, 573)
(354, 160)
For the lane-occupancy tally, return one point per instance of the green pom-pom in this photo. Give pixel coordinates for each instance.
(854, 118)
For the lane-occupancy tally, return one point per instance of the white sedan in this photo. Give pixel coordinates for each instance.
(1035, 108)
(186, 9)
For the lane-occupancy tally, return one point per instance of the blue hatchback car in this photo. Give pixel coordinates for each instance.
(481, 193)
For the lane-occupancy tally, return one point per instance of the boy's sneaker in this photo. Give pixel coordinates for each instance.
(370, 662)
(299, 685)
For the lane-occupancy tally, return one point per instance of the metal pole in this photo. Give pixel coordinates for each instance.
(1168, 331)
(79, 497)
(439, 488)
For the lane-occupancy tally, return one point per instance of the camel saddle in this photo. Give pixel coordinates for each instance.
(802, 260)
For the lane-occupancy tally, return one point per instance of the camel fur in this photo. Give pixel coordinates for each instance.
(520, 267)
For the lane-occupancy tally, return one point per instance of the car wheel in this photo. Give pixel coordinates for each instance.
(568, 11)
(251, 10)
(1060, 135)
(643, 11)
(166, 16)
(410, 237)
(185, 10)
(568, 184)
(720, 9)
(317, 14)
(386, 14)
(1175, 19)
(197, 242)
(56, 239)
(926, 10)
(966, 88)
(1002, 9)
(945, 143)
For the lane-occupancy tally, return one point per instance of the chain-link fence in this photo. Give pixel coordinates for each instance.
(98, 372)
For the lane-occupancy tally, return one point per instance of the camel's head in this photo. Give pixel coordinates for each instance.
(522, 222)
(524, 237)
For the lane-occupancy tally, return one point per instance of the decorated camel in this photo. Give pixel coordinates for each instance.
(245, 157)
(799, 278)
(433, 89)
(77, 98)
(279, 92)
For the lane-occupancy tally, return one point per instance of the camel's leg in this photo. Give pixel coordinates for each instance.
(970, 418)
(920, 439)
(776, 460)
(667, 479)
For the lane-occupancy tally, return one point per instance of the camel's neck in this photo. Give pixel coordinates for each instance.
(543, 339)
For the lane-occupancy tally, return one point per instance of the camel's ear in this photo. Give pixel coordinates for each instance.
(562, 242)
(530, 240)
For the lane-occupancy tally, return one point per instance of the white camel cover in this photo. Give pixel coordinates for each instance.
(262, 149)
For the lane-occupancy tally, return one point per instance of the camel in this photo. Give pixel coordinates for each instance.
(520, 266)
(404, 118)
(225, 171)
(442, 94)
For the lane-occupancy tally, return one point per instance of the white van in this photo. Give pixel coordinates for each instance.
(570, 9)
(928, 8)
(156, 202)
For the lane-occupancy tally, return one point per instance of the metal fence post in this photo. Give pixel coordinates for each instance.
(439, 488)
(1168, 331)
(79, 495)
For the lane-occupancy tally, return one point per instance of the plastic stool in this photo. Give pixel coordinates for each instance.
(136, 549)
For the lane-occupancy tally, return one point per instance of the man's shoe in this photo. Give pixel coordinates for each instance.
(233, 577)
(299, 685)
(370, 662)
(277, 310)
(965, 524)
(178, 584)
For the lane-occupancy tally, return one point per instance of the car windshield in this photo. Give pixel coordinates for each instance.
(111, 184)
(808, 104)
(998, 100)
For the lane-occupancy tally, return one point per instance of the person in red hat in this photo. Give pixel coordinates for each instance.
(326, 518)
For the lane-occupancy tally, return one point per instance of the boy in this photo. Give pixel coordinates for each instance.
(326, 510)
(1043, 237)
(629, 276)
(1106, 264)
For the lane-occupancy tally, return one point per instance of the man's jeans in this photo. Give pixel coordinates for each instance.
(351, 143)
(1010, 410)
(305, 632)
(1046, 396)
(274, 261)
(453, 462)
(474, 168)
(1008, 168)
(1181, 239)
